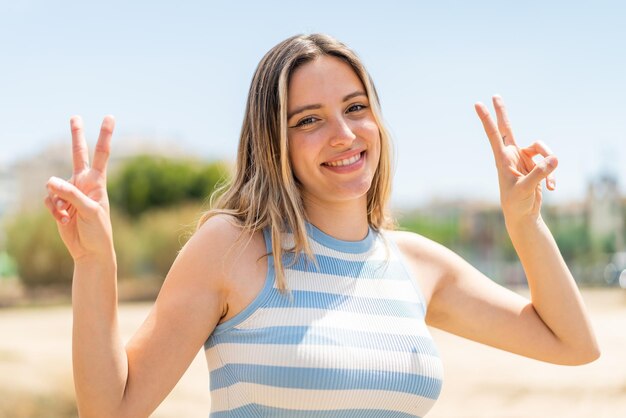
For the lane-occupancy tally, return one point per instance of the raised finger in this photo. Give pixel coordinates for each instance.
(490, 129)
(80, 156)
(103, 147)
(504, 125)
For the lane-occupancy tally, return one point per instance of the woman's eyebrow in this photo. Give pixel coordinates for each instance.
(355, 94)
(302, 109)
(318, 106)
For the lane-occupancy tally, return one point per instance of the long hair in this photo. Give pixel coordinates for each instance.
(263, 191)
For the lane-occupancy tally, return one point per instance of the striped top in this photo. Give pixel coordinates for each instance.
(348, 340)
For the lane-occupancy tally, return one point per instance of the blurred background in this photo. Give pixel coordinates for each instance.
(176, 78)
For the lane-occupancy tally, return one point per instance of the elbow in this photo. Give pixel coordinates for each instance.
(583, 355)
(590, 355)
(118, 412)
(109, 414)
(591, 352)
(91, 413)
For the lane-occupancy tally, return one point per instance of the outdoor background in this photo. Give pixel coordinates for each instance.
(176, 76)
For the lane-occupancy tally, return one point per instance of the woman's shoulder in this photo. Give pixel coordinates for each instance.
(408, 241)
(235, 255)
(220, 226)
(208, 246)
(222, 234)
(418, 248)
(429, 262)
(231, 242)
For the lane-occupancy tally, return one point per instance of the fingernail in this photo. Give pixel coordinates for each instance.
(65, 220)
(551, 161)
(60, 203)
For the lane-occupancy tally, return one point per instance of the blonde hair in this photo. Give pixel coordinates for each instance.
(263, 191)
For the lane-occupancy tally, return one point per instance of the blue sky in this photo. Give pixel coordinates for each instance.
(182, 70)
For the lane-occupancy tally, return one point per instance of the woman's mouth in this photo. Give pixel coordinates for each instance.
(346, 161)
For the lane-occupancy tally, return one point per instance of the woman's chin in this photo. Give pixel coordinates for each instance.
(342, 194)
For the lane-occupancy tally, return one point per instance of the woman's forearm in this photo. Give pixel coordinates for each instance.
(554, 293)
(98, 354)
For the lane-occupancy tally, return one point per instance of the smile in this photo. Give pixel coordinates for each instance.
(345, 162)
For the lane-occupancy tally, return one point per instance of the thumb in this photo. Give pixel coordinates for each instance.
(71, 194)
(542, 170)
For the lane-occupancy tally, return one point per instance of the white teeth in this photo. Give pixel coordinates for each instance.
(347, 161)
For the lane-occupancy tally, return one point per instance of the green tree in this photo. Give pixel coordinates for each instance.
(442, 230)
(161, 233)
(34, 243)
(155, 203)
(147, 182)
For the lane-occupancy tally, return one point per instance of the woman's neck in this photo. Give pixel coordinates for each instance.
(346, 221)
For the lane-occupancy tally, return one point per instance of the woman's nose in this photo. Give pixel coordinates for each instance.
(341, 132)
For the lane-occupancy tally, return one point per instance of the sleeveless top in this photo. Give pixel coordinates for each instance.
(348, 339)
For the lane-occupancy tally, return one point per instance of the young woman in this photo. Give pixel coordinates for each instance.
(308, 304)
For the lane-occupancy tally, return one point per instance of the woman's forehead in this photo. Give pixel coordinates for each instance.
(323, 77)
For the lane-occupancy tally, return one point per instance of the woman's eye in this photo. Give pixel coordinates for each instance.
(356, 107)
(306, 121)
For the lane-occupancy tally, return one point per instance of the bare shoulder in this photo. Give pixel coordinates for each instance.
(235, 256)
(200, 269)
(411, 242)
(218, 234)
(201, 280)
(219, 227)
(192, 301)
(430, 262)
(418, 248)
(219, 246)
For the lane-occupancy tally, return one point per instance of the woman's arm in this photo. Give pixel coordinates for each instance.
(116, 381)
(112, 380)
(553, 326)
(554, 294)
(465, 302)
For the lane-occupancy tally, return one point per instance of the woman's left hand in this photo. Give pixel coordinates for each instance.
(518, 175)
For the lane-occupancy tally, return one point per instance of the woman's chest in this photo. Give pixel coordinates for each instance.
(349, 359)
(351, 333)
(357, 341)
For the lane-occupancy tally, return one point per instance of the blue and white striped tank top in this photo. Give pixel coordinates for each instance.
(348, 340)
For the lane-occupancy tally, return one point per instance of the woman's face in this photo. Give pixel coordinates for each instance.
(334, 140)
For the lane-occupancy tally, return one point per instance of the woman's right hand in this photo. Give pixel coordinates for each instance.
(81, 204)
